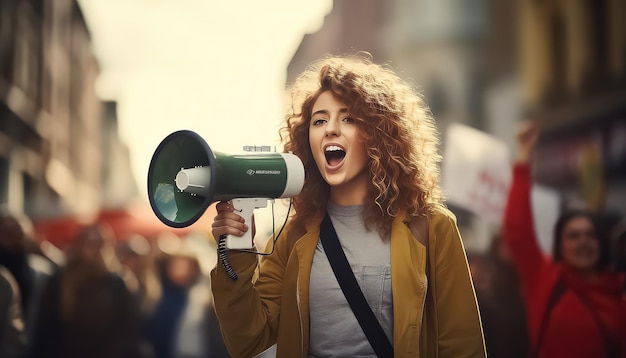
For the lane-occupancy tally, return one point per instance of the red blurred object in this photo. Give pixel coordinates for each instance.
(136, 218)
(59, 231)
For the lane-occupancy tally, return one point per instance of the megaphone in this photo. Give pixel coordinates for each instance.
(185, 177)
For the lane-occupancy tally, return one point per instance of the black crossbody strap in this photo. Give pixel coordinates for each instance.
(351, 289)
(555, 296)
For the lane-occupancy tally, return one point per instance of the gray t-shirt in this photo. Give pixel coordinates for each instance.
(334, 330)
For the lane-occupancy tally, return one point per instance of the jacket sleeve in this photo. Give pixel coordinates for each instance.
(519, 229)
(458, 324)
(248, 311)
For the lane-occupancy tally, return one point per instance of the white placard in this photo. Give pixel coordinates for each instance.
(476, 175)
(476, 172)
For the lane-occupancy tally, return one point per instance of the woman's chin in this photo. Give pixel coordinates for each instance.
(583, 265)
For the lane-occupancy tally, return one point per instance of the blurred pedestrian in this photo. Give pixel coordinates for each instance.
(12, 334)
(573, 301)
(180, 326)
(138, 271)
(502, 310)
(137, 263)
(369, 148)
(86, 310)
(30, 269)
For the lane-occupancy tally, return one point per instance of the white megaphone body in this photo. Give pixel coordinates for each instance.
(185, 177)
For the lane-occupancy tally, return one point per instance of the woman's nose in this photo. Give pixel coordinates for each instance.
(590, 237)
(332, 127)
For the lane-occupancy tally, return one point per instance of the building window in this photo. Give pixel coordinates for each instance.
(596, 75)
(558, 57)
(30, 188)
(7, 39)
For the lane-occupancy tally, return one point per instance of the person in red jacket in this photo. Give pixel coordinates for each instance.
(575, 303)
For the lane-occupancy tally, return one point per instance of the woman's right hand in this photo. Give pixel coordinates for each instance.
(227, 222)
(527, 134)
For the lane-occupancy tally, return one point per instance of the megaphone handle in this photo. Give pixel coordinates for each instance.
(245, 208)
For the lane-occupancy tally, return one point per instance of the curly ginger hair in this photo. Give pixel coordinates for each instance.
(396, 126)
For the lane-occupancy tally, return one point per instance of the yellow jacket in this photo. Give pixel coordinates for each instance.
(434, 317)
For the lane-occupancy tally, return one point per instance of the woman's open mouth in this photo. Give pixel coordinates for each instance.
(334, 156)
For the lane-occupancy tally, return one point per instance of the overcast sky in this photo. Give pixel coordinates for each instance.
(217, 68)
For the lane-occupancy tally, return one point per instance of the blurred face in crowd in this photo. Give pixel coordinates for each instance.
(182, 271)
(580, 248)
(90, 245)
(11, 235)
(132, 261)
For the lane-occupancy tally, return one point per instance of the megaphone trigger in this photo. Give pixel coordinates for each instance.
(245, 208)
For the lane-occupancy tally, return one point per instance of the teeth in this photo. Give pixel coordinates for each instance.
(333, 148)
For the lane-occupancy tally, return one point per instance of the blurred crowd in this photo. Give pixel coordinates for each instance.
(103, 297)
(501, 300)
(569, 303)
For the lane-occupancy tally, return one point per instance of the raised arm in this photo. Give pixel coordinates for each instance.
(519, 227)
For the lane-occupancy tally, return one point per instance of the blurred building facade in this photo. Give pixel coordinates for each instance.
(118, 184)
(573, 67)
(59, 147)
(436, 44)
(352, 25)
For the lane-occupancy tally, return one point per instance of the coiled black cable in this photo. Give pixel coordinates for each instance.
(223, 258)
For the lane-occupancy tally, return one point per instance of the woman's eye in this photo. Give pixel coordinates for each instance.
(318, 121)
(348, 120)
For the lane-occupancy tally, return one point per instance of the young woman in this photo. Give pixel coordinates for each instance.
(369, 148)
(574, 302)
